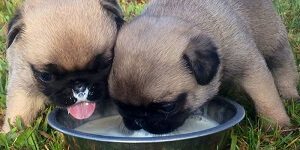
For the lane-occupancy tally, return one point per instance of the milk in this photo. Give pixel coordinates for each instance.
(113, 126)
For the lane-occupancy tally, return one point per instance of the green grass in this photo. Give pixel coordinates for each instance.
(133, 8)
(247, 135)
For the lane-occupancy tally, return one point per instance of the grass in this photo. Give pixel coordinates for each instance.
(247, 135)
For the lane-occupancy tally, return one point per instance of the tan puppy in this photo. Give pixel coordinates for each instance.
(173, 58)
(60, 50)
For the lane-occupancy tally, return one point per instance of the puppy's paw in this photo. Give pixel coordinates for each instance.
(290, 95)
(272, 124)
(284, 124)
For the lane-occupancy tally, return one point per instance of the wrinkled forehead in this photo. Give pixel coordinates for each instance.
(144, 36)
(65, 53)
(97, 64)
(152, 87)
(68, 39)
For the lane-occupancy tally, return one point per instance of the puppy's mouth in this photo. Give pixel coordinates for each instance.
(82, 110)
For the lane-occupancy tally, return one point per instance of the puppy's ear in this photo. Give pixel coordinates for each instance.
(14, 28)
(113, 7)
(202, 59)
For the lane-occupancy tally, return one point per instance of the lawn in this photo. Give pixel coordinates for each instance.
(247, 135)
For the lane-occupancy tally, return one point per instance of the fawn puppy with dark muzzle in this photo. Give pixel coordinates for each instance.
(175, 56)
(60, 51)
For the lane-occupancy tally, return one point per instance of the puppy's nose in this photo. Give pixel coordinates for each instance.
(79, 87)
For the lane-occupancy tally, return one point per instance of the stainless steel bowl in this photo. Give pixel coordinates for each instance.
(224, 111)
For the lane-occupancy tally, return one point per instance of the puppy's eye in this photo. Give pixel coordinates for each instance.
(169, 107)
(46, 77)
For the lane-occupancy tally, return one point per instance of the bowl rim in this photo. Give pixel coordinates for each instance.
(240, 114)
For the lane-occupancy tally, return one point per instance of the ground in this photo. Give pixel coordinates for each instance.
(247, 135)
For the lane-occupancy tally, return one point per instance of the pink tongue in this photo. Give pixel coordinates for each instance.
(82, 110)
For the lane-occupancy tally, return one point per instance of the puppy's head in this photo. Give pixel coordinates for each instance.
(161, 72)
(68, 45)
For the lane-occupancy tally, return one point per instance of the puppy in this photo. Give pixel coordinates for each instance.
(60, 51)
(174, 57)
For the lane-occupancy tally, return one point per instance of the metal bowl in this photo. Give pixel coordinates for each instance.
(226, 112)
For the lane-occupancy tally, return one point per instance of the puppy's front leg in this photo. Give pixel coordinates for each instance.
(24, 104)
(259, 84)
(284, 70)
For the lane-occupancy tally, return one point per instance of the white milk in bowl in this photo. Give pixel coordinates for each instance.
(113, 126)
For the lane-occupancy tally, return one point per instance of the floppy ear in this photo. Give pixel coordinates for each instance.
(113, 7)
(202, 59)
(14, 28)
